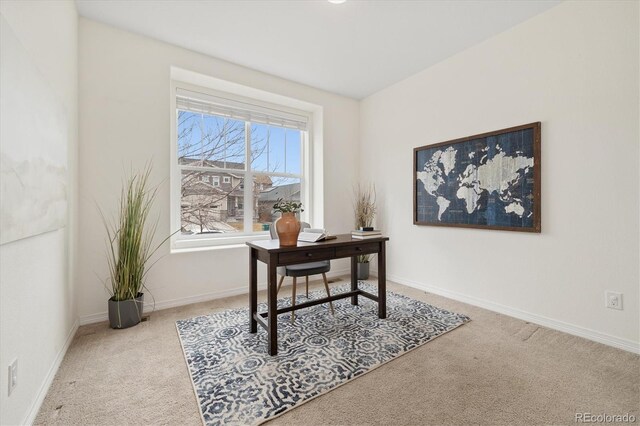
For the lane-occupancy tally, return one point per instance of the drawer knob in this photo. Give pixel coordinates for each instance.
(358, 249)
(309, 254)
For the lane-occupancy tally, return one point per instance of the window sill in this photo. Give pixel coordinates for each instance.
(205, 244)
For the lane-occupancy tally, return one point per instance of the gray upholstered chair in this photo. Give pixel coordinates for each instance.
(302, 270)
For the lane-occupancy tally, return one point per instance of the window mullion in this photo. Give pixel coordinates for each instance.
(205, 169)
(305, 190)
(282, 175)
(268, 148)
(248, 180)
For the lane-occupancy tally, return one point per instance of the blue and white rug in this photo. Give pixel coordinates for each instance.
(237, 382)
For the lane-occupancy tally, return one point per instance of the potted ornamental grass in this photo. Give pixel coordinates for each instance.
(287, 225)
(129, 249)
(364, 209)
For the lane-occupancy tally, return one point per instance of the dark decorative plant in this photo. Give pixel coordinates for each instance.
(287, 206)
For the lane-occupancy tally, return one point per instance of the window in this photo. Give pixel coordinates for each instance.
(205, 179)
(222, 135)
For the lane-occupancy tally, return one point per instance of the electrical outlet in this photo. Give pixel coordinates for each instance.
(13, 375)
(613, 300)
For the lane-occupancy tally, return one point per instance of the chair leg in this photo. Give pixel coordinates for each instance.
(280, 284)
(293, 300)
(307, 283)
(326, 286)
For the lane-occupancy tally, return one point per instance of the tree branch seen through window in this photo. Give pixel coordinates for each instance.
(212, 153)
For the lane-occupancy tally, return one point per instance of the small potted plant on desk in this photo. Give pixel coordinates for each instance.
(364, 208)
(129, 249)
(287, 225)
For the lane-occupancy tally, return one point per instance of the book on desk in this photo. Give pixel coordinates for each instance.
(313, 235)
(361, 234)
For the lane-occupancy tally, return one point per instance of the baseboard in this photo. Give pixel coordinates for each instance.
(93, 318)
(596, 336)
(51, 374)
(165, 304)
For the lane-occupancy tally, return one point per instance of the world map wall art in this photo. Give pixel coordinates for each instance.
(489, 181)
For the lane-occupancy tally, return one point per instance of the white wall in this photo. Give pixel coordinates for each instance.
(575, 69)
(37, 297)
(124, 122)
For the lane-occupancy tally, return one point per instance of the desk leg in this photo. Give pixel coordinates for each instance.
(382, 282)
(253, 290)
(272, 303)
(354, 279)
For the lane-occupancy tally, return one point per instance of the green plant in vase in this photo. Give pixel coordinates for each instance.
(287, 225)
(283, 206)
(129, 249)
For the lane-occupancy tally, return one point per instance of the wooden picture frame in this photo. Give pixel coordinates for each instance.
(486, 181)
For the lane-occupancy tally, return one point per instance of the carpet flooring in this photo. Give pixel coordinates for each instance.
(495, 370)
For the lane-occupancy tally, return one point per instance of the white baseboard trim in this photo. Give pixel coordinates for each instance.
(596, 336)
(93, 318)
(165, 304)
(46, 384)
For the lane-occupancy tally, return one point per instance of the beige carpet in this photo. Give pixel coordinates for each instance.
(493, 370)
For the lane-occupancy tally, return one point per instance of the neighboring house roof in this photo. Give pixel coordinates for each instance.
(211, 163)
(263, 179)
(286, 192)
(196, 186)
(257, 178)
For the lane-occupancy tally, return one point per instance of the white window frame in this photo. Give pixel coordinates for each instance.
(216, 181)
(308, 188)
(226, 179)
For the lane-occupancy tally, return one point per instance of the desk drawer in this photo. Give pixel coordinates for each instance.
(302, 256)
(357, 249)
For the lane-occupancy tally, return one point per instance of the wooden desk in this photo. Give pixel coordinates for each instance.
(270, 253)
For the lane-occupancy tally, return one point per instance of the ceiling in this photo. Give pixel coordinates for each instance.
(354, 49)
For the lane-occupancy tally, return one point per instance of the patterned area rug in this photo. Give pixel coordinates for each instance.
(237, 382)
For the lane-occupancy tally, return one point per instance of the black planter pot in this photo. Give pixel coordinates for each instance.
(363, 271)
(126, 313)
